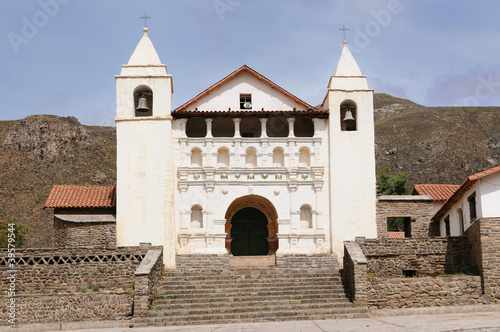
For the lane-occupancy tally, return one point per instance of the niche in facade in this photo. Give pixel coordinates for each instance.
(196, 217)
(143, 101)
(278, 157)
(305, 217)
(304, 157)
(250, 127)
(277, 126)
(196, 158)
(251, 158)
(223, 157)
(303, 127)
(223, 127)
(196, 127)
(348, 116)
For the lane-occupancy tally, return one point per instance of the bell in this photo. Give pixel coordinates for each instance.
(142, 106)
(348, 116)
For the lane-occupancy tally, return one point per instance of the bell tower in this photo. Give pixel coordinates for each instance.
(351, 153)
(145, 176)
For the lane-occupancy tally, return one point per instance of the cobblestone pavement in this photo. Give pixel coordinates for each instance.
(486, 321)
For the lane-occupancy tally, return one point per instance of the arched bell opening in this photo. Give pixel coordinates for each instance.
(348, 116)
(251, 227)
(143, 101)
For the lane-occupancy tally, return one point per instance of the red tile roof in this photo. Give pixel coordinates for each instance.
(396, 235)
(468, 183)
(81, 197)
(440, 192)
(183, 109)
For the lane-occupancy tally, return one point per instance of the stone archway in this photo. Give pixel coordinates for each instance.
(263, 205)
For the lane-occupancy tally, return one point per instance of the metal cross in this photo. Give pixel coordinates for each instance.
(145, 18)
(344, 29)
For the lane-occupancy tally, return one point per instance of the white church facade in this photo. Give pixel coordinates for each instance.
(245, 167)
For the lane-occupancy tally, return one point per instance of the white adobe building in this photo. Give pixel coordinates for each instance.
(245, 167)
(477, 198)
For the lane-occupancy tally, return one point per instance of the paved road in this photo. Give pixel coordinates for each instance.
(473, 321)
(471, 318)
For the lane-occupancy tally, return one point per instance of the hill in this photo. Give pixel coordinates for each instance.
(433, 144)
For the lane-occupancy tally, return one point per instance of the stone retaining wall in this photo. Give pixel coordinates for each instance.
(426, 256)
(393, 293)
(42, 308)
(147, 280)
(83, 284)
(489, 230)
(354, 276)
(43, 270)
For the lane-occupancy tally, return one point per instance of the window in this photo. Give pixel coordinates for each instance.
(447, 226)
(223, 157)
(223, 127)
(196, 217)
(399, 227)
(250, 127)
(461, 221)
(196, 127)
(305, 217)
(303, 127)
(143, 101)
(304, 158)
(348, 116)
(196, 158)
(251, 158)
(278, 158)
(472, 206)
(245, 101)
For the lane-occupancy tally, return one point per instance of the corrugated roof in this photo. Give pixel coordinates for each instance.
(184, 109)
(468, 183)
(81, 197)
(440, 192)
(396, 235)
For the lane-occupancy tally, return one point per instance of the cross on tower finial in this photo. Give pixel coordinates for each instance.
(145, 18)
(344, 29)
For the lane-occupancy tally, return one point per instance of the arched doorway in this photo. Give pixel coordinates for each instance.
(249, 233)
(251, 226)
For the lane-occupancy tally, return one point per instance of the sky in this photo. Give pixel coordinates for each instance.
(60, 56)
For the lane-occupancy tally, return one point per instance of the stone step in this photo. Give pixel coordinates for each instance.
(262, 291)
(235, 307)
(234, 297)
(253, 303)
(253, 316)
(242, 272)
(275, 282)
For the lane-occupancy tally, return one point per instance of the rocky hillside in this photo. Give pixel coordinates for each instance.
(434, 145)
(43, 150)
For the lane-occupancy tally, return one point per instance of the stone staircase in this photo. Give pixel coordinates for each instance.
(204, 291)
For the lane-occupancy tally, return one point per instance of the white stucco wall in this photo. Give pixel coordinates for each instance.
(490, 196)
(228, 96)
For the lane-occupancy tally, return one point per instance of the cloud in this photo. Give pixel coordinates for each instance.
(479, 87)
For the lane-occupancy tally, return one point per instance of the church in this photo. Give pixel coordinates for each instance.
(244, 167)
